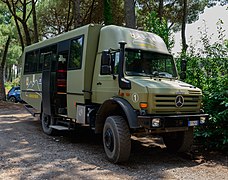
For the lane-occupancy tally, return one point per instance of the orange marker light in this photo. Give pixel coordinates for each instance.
(121, 93)
(143, 105)
(128, 94)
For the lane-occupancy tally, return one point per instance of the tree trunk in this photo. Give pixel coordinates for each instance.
(107, 12)
(13, 12)
(36, 35)
(10, 73)
(183, 28)
(68, 23)
(6, 73)
(129, 6)
(160, 9)
(76, 15)
(27, 34)
(91, 12)
(2, 86)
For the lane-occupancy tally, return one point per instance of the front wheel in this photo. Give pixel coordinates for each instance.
(13, 99)
(116, 139)
(47, 121)
(179, 141)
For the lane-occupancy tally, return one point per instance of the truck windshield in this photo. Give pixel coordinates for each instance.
(152, 64)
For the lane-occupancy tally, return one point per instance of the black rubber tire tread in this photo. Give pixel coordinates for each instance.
(12, 99)
(47, 130)
(122, 139)
(179, 141)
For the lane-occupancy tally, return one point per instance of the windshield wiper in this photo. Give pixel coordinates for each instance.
(161, 75)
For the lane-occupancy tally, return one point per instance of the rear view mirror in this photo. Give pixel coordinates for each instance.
(106, 63)
(105, 58)
(183, 65)
(183, 69)
(183, 75)
(105, 70)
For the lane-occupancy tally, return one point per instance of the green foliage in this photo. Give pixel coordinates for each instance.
(172, 11)
(207, 69)
(9, 85)
(7, 28)
(160, 27)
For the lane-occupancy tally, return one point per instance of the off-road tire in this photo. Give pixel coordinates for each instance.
(46, 121)
(116, 139)
(179, 141)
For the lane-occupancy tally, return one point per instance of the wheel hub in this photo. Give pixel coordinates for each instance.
(109, 140)
(46, 121)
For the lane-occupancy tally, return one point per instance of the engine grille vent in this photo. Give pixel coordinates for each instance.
(166, 104)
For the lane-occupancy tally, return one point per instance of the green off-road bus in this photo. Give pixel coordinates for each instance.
(115, 80)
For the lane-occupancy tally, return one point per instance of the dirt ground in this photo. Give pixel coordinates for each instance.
(27, 153)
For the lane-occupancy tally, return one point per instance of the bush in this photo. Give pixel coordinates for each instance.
(207, 69)
(9, 85)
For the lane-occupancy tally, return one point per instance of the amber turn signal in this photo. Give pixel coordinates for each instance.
(143, 105)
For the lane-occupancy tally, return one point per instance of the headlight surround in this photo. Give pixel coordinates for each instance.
(203, 120)
(156, 122)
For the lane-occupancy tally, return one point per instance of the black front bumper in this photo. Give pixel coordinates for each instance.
(172, 121)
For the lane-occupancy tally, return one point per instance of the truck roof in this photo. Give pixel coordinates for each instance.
(61, 37)
(135, 39)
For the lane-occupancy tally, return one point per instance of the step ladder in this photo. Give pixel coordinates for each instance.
(31, 110)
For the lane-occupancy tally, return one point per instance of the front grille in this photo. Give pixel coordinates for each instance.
(166, 104)
(194, 92)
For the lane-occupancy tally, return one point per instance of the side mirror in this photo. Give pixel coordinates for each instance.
(183, 75)
(183, 69)
(183, 65)
(105, 70)
(105, 58)
(106, 63)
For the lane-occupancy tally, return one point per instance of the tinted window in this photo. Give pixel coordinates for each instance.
(31, 62)
(76, 48)
(48, 57)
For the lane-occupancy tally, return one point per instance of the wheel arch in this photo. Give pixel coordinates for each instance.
(115, 106)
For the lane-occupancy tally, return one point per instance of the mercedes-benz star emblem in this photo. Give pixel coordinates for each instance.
(179, 101)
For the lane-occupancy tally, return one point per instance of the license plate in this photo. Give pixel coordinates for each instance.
(193, 123)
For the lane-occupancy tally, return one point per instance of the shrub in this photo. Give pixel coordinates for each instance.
(207, 69)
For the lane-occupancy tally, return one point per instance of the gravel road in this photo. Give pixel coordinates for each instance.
(27, 153)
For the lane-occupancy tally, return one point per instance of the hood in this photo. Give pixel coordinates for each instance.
(164, 85)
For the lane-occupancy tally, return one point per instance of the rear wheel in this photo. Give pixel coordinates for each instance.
(116, 139)
(47, 121)
(179, 141)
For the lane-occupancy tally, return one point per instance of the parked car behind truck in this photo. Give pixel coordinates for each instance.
(14, 94)
(115, 80)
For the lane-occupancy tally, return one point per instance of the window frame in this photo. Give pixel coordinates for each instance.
(28, 71)
(70, 51)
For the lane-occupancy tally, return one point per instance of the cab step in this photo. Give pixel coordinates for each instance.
(31, 110)
(60, 128)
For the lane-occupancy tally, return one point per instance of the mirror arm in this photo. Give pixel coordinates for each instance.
(123, 83)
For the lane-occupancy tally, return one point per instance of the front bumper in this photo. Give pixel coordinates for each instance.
(172, 121)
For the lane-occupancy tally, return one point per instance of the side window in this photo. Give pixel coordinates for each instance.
(76, 50)
(31, 62)
(48, 57)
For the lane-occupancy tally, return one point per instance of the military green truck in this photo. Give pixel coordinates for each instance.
(115, 80)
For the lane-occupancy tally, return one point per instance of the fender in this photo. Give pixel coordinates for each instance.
(106, 109)
(129, 111)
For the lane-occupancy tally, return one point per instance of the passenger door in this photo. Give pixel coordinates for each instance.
(48, 76)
